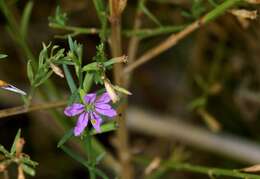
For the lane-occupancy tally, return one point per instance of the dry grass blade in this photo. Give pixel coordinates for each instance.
(23, 109)
(155, 163)
(253, 1)
(243, 13)
(254, 168)
(169, 42)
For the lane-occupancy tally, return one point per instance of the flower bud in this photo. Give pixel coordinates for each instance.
(243, 13)
(110, 90)
(57, 70)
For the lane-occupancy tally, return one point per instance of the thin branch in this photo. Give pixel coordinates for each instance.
(141, 33)
(77, 30)
(23, 109)
(150, 32)
(169, 127)
(155, 51)
(175, 38)
(211, 171)
(134, 41)
(116, 10)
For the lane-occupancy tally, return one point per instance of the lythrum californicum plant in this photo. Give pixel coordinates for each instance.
(96, 104)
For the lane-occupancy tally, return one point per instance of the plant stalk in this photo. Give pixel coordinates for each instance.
(122, 132)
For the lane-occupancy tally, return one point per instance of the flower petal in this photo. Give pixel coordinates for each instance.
(104, 98)
(107, 112)
(102, 106)
(90, 98)
(81, 124)
(74, 109)
(96, 121)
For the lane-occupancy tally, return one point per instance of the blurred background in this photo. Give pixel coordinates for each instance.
(209, 83)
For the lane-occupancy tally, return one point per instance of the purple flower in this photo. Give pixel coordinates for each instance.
(92, 109)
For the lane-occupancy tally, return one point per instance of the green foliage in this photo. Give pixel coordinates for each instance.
(29, 170)
(102, 15)
(17, 137)
(97, 68)
(94, 72)
(69, 79)
(213, 3)
(107, 127)
(65, 138)
(60, 18)
(17, 157)
(2, 56)
(197, 9)
(44, 70)
(198, 103)
(92, 169)
(147, 12)
(75, 55)
(87, 82)
(25, 18)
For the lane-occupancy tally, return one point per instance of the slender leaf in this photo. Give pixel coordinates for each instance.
(28, 161)
(197, 103)
(100, 157)
(149, 14)
(100, 173)
(100, 8)
(75, 156)
(102, 15)
(29, 170)
(4, 151)
(111, 126)
(91, 67)
(87, 83)
(30, 73)
(73, 97)
(44, 78)
(17, 137)
(2, 56)
(25, 18)
(65, 138)
(122, 90)
(69, 79)
(71, 44)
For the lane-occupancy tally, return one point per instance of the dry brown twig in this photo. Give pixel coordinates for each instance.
(168, 43)
(173, 39)
(116, 8)
(134, 42)
(23, 109)
(173, 129)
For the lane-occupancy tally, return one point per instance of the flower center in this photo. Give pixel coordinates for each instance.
(89, 107)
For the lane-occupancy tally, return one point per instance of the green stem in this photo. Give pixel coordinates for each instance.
(28, 99)
(78, 30)
(141, 33)
(220, 9)
(211, 171)
(90, 154)
(145, 33)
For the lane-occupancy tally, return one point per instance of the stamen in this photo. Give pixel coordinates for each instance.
(93, 121)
